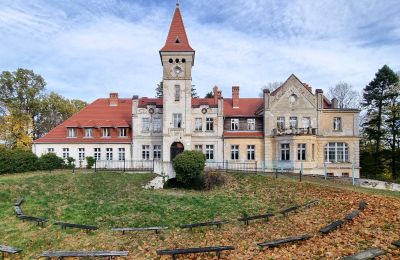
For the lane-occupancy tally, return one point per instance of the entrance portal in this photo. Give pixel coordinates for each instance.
(176, 148)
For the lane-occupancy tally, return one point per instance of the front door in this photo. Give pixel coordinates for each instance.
(176, 148)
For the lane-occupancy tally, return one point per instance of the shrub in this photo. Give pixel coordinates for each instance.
(70, 162)
(213, 179)
(6, 161)
(50, 161)
(23, 161)
(188, 165)
(89, 162)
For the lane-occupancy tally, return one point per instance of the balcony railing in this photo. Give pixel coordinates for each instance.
(294, 131)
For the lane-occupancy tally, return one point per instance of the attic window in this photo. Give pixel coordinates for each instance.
(177, 41)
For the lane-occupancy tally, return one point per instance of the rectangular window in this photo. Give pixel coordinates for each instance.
(122, 132)
(306, 122)
(337, 124)
(88, 132)
(251, 152)
(109, 154)
(81, 154)
(293, 121)
(177, 92)
(285, 152)
(336, 152)
(210, 152)
(198, 124)
(198, 147)
(251, 124)
(157, 152)
(145, 124)
(65, 153)
(50, 150)
(280, 122)
(97, 154)
(177, 120)
(157, 125)
(209, 124)
(71, 132)
(121, 154)
(313, 151)
(234, 124)
(234, 152)
(301, 152)
(106, 132)
(146, 152)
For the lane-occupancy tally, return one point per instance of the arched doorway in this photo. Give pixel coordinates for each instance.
(176, 148)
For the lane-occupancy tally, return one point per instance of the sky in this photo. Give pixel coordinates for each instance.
(86, 49)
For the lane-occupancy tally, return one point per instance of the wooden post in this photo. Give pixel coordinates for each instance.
(95, 165)
(124, 164)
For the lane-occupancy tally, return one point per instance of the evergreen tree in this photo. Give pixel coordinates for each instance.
(159, 91)
(209, 95)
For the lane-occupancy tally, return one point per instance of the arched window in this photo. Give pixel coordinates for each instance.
(336, 152)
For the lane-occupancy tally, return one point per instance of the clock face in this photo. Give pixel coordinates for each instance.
(177, 71)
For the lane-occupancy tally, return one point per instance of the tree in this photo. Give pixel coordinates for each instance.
(271, 86)
(188, 166)
(159, 90)
(376, 98)
(346, 96)
(209, 95)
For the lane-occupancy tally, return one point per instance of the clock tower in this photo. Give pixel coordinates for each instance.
(177, 59)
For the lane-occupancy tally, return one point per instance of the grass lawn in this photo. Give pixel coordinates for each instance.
(118, 200)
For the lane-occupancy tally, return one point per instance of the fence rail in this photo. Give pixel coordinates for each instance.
(250, 166)
(124, 165)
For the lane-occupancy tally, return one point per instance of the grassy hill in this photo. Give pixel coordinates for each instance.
(118, 200)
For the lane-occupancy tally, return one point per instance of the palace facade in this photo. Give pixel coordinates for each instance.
(289, 128)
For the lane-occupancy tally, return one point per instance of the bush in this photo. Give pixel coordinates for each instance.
(23, 161)
(213, 179)
(70, 162)
(196, 184)
(50, 162)
(188, 166)
(6, 162)
(89, 162)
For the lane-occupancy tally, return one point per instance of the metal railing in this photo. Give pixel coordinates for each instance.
(294, 131)
(250, 166)
(124, 165)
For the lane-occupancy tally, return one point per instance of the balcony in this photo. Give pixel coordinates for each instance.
(294, 131)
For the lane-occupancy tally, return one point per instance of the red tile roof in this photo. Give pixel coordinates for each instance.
(177, 39)
(247, 107)
(243, 134)
(196, 102)
(145, 101)
(98, 114)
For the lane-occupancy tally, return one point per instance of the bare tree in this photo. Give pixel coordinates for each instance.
(347, 97)
(271, 86)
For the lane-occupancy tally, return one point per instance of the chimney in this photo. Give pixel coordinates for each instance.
(266, 95)
(217, 94)
(320, 98)
(113, 100)
(335, 103)
(235, 96)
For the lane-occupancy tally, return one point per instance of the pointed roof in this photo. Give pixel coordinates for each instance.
(177, 39)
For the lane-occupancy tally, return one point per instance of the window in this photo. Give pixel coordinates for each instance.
(157, 152)
(234, 124)
(121, 154)
(210, 152)
(306, 122)
(313, 151)
(88, 132)
(209, 124)
(81, 154)
(122, 132)
(280, 122)
(251, 152)
(106, 132)
(285, 152)
(65, 153)
(177, 92)
(251, 124)
(109, 154)
(198, 124)
(301, 152)
(146, 152)
(198, 147)
(177, 120)
(145, 124)
(234, 152)
(71, 132)
(50, 150)
(293, 121)
(337, 124)
(97, 154)
(157, 125)
(336, 152)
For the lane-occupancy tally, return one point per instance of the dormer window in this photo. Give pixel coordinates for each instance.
(106, 132)
(122, 132)
(71, 132)
(234, 124)
(88, 132)
(251, 124)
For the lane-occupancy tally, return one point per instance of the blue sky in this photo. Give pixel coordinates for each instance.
(88, 48)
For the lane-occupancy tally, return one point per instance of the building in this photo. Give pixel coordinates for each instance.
(289, 128)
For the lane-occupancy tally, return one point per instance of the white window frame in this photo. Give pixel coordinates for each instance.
(293, 123)
(337, 124)
(284, 152)
(121, 154)
(301, 152)
(65, 153)
(251, 152)
(177, 120)
(97, 154)
(106, 132)
(50, 150)
(81, 154)
(209, 152)
(109, 154)
(209, 124)
(146, 152)
(234, 124)
(235, 150)
(306, 122)
(71, 132)
(89, 132)
(337, 152)
(157, 125)
(280, 122)
(198, 147)
(145, 124)
(157, 152)
(251, 124)
(123, 132)
(198, 124)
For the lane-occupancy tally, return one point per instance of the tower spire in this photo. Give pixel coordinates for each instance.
(177, 3)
